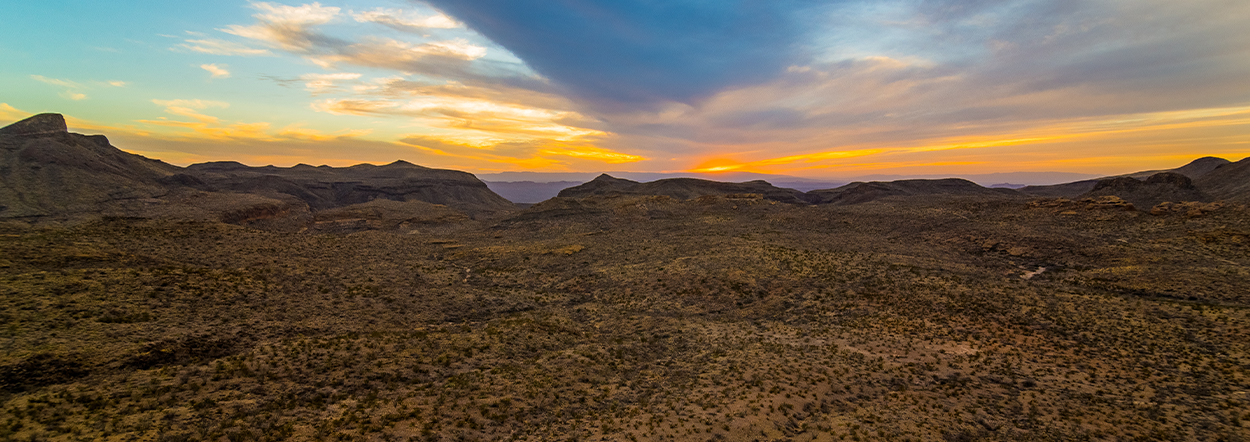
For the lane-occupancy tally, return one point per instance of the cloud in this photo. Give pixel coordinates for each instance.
(309, 14)
(500, 120)
(11, 114)
(216, 71)
(444, 58)
(482, 124)
(287, 27)
(322, 83)
(222, 47)
(71, 95)
(74, 91)
(301, 133)
(407, 21)
(513, 155)
(640, 53)
(297, 30)
(398, 87)
(782, 86)
(188, 108)
(594, 153)
(56, 81)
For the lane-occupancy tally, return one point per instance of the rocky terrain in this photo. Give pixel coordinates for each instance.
(49, 174)
(926, 310)
(46, 170)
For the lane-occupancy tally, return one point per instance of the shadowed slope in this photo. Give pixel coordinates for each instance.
(46, 171)
(325, 187)
(856, 193)
(682, 189)
(1194, 170)
(1158, 188)
(1230, 182)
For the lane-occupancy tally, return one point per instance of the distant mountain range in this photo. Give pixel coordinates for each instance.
(48, 173)
(533, 187)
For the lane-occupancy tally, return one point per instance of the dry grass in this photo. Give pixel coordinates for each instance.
(703, 320)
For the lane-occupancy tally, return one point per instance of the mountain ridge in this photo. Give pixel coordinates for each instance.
(47, 172)
(50, 172)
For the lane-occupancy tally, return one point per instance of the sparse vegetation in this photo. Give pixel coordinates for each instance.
(710, 319)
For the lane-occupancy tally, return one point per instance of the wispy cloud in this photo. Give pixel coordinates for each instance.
(286, 27)
(322, 83)
(499, 120)
(9, 113)
(56, 81)
(189, 108)
(302, 133)
(73, 93)
(216, 71)
(594, 153)
(222, 47)
(298, 30)
(403, 20)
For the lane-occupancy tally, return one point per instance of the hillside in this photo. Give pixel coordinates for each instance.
(856, 193)
(1229, 182)
(655, 319)
(1155, 189)
(327, 187)
(1193, 170)
(47, 173)
(223, 302)
(681, 189)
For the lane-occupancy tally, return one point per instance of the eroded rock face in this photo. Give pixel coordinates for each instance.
(1171, 178)
(1191, 209)
(42, 124)
(1093, 203)
(1155, 189)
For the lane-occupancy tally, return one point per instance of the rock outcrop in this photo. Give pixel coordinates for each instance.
(1158, 188)
(42, 124)
(1192, 209)
(1072, 207)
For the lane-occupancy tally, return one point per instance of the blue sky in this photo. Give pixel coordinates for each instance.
(802, 87)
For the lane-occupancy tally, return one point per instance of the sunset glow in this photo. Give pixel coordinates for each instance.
(817, 89)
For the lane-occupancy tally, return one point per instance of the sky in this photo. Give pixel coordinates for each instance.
(808, 88)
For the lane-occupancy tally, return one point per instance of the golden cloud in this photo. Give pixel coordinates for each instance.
(405, 20)
(216, 71)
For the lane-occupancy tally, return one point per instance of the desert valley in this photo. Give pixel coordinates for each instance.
(145, 301)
